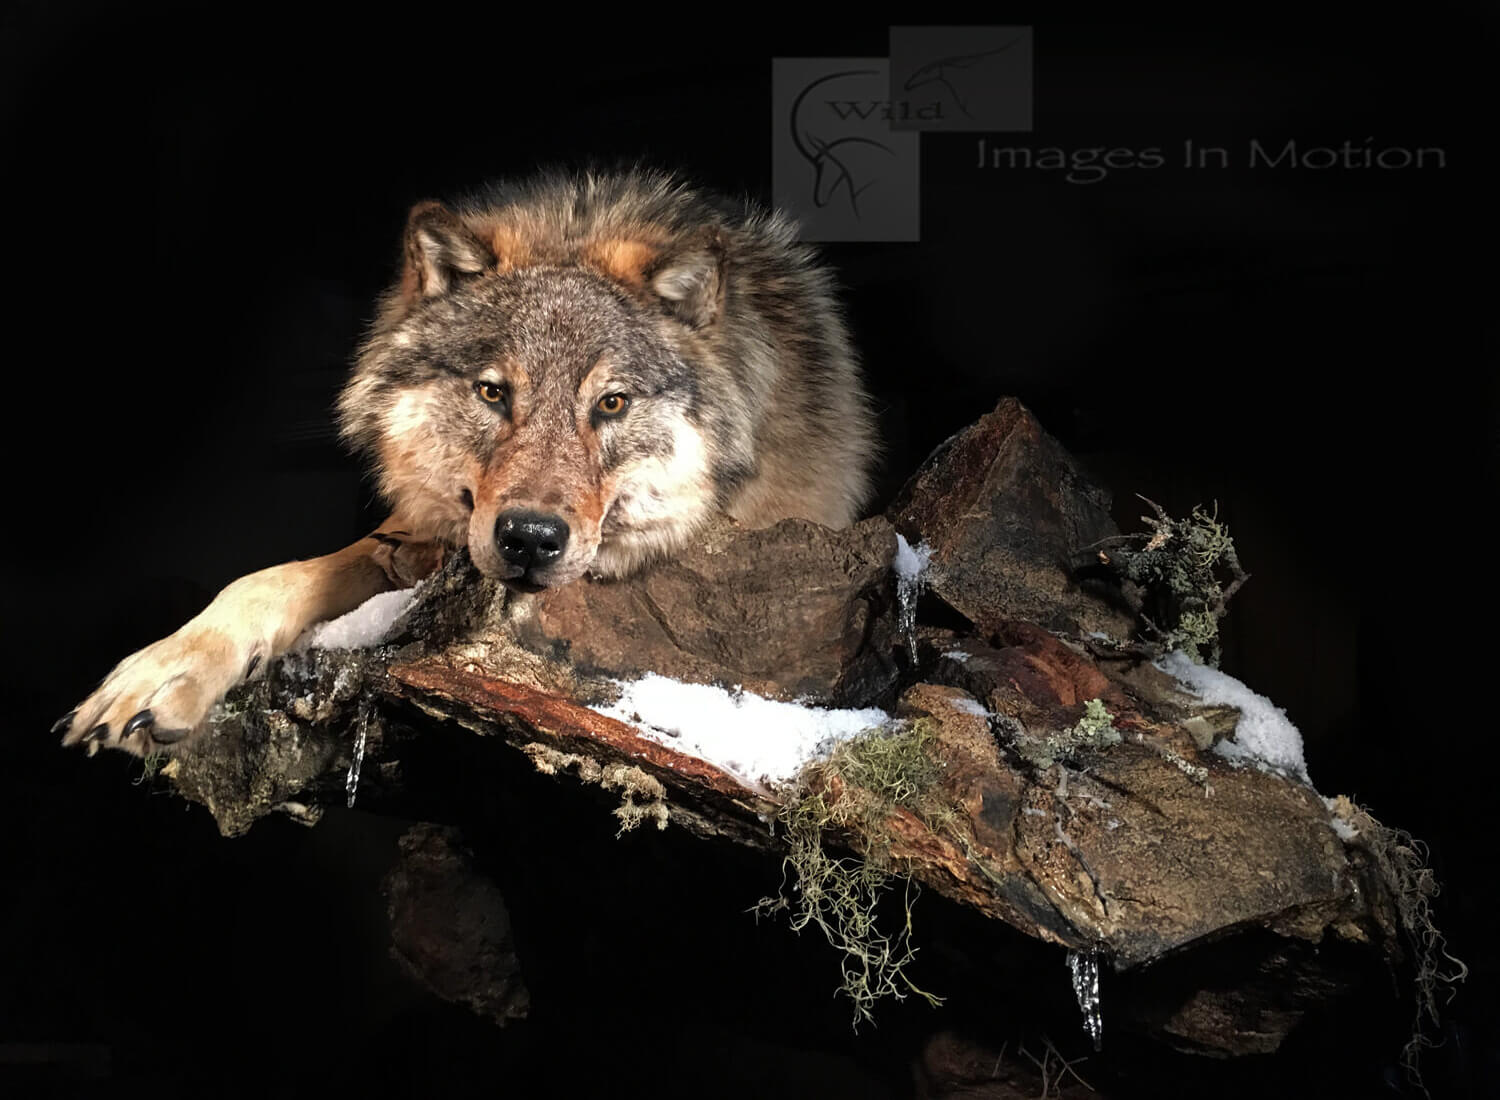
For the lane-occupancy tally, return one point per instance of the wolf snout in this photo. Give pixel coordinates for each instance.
(530, 540)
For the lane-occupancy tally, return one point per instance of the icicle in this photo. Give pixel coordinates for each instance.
(907, 591)
(910, 566)
(1085, 968)
(351, 784)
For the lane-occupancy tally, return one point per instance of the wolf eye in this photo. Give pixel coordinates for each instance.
(612, 404)
(491, 393)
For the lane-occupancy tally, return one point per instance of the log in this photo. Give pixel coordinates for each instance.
(1073, 790)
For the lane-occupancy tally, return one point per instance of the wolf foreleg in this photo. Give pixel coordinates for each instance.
(161, 694)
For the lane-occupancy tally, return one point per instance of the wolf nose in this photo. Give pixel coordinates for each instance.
(529, 539)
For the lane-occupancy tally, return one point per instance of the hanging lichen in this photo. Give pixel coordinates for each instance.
(1401, 861)
(850, 798)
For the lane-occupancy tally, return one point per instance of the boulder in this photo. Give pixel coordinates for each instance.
(794, 611)
(450, 930)
(1011, 520)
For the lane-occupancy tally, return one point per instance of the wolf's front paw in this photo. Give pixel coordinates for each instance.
(160, 695)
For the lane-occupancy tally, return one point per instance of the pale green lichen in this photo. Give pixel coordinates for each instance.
(851, 796)
(642, 796)
(1185, 571)
(1196, 772)
(1094, 730)
(1097, 726)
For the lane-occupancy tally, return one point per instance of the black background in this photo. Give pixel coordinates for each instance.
(200, 212)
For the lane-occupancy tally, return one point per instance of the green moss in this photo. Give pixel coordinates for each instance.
(888, 771)
(850, 797)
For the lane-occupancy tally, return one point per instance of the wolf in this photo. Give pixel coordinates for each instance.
(571, 376)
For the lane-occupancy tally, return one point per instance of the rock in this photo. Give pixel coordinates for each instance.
(794, 611)
(1146, 846)
(1145, 851)
(1010, 517)
(1071, 793)
(450, 930)
(956, 1067)
(1029, 675)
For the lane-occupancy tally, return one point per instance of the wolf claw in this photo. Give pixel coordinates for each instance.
(142, 720)
(161, 694)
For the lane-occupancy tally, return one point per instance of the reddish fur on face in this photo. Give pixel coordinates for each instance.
(511, 247)
(539, 468)
(625, 261)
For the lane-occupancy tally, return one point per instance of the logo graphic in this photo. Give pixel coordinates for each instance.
(962, 78)
(834, 162)
(837, 164)
(947, 69)
(845, 131)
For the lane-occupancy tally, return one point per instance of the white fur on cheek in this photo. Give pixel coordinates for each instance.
(665, 489)
(422, 469)
(409, 417)
(658, 504)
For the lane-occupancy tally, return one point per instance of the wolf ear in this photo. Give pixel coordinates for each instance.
(691, 283)
(440, 250)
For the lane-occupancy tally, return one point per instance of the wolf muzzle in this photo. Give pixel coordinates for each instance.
(529, 542)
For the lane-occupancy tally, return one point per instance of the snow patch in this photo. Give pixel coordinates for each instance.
(970, 706)
(1263, 735)
(759, 741)
(911, 561)
(958, 655)
(366, 625)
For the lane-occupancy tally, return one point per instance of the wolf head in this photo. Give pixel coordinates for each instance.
(542, 395)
